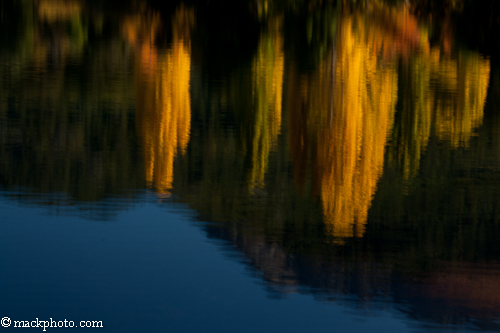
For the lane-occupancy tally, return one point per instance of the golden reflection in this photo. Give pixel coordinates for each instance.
(347, 107)
(267, 85)
(163, 97)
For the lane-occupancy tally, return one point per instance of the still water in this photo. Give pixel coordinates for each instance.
(260, 166)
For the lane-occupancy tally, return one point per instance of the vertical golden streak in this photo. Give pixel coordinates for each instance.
(267, 77)
(351, 103)
(164, 102)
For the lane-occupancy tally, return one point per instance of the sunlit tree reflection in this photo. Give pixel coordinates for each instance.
(163, 96)
(347, 109)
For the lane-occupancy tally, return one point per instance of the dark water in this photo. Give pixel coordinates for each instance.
(250, 166)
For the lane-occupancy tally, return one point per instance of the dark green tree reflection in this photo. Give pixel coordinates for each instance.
(66, 109)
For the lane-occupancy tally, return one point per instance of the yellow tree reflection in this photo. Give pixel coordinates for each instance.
(408, 43)
(163, 97)
(267, 83)
(341, 115)
(361, 101)
(348, 104)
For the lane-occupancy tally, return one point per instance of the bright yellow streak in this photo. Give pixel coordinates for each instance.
(355, 114)
(164, 101)
(349, 102)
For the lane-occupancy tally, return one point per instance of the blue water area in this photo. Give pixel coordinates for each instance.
(149, 269)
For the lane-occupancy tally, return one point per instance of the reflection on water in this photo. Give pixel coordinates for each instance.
(66, 119)
(267, 78)
(452, 294)
(352, 151)
(441, 92)
(346, 108)
(459, 100)
(163, 98)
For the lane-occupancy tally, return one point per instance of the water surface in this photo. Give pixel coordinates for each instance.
(258, 166)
